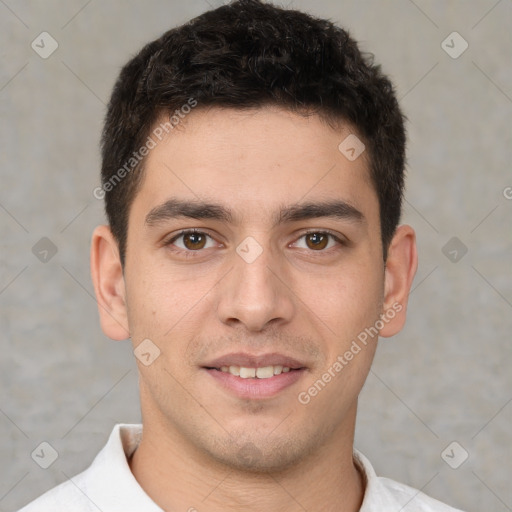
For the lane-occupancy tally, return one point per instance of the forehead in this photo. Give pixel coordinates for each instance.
(254, 160)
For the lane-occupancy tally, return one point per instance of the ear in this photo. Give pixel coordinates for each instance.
(400, 269)
(108, 280)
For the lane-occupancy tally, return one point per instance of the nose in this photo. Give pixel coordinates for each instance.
(256, 292)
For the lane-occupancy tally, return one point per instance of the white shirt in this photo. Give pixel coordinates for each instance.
(108, 485)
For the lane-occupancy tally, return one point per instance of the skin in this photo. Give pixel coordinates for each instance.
(294, 298)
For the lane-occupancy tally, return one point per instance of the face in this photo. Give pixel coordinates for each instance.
(254, 264)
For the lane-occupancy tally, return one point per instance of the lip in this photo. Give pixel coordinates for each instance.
(254, 361)
(254, 388)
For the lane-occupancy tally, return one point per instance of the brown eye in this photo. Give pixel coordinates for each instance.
(189, 242)
(317, 241)
(194, 241)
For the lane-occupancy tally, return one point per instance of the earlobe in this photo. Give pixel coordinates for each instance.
(108, 280)
(400, 270)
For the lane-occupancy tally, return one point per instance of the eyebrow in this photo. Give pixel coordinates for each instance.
(175, 208)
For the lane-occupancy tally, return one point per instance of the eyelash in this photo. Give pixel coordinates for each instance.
(193, 254)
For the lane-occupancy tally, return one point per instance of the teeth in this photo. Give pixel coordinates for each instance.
(234, 370)
(246, 373)
(278, 368)
(265, 372)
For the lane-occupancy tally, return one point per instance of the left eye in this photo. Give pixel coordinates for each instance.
(318, 240)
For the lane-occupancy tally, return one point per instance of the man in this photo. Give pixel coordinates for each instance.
(253, 177)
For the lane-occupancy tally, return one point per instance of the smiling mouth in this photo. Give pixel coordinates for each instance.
(253, 383)
(264, 372)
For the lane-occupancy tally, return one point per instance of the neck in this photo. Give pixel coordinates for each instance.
(176, 476)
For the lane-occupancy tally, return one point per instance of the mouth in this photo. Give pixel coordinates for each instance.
(264, 372)
(255, 378)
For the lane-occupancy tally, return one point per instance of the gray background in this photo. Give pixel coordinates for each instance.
(445, 378)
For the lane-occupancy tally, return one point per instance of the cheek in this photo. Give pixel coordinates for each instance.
(348, 305)
(161, 302)
(347, 300)
(151, 302)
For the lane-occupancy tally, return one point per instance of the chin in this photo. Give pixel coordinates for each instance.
(261, 455)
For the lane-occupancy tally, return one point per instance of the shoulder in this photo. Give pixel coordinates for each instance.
(107, 484)
(413, 500)
(69, 494)
(386, 495)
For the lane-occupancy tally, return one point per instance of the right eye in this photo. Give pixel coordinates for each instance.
(190, 241)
